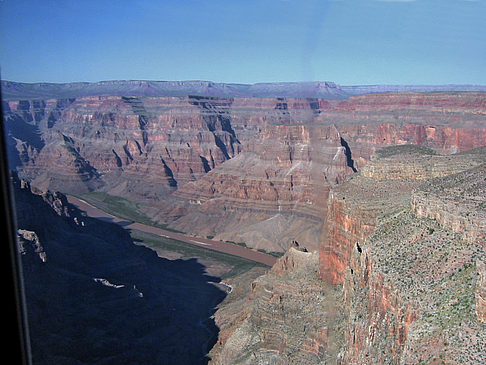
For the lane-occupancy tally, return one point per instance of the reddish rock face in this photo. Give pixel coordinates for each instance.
(405, 252)
(389, 180)
(226, 166)
(412, 287)
(166, 141)
(345, 228)
(382, 315)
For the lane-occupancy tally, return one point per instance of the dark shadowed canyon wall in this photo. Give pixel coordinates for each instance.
(93, 296)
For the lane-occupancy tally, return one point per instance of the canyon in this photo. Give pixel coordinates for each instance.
(373, 195)
(399, 278)
(93, 296)
(249, 170)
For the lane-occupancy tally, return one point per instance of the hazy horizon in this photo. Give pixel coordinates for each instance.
(237, 83)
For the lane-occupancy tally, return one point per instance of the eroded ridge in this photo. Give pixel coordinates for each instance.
(408, 288)
(410, 254)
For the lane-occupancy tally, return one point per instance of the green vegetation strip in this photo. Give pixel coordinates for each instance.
(125, 209)
(121, 208)
(155, 242)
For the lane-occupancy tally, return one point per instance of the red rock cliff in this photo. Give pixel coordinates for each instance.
(409, 282)
(244, 163)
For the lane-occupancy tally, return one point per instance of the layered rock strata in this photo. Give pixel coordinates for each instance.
(275, 190)
(458, 203)
(248, 188)
(124, 143)
(274, 326)
(386, 184)
(410, 288)
(259, 168)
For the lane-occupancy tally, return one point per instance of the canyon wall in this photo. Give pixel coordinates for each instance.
(93, 296)
(273, 325)
(410, 285)
(252, 170)
(385, 247)
(410, 262)
(386, 184)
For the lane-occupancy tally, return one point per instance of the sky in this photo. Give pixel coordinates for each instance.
(350, 42)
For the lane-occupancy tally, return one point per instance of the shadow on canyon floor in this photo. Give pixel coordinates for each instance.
(123, 223)
(121, 309)
(93, 296)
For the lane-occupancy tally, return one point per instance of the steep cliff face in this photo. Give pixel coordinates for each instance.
(445, 122)
(125, 143)
(93, 296)
(386, 184)
(411, 288)
(273, 325)
(273, 192)
(253, 170)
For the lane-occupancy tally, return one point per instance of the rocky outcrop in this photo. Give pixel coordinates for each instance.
(377, 318)
(352, 216)
(252, 170)
(93, 296)
(410, 291)
(409, 283)
(30, 246)
(343, 234)
(274, 326)
(354, 207)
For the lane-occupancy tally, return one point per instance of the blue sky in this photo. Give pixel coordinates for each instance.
(350, 42)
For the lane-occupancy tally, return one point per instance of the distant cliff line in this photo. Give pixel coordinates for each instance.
(12, 90)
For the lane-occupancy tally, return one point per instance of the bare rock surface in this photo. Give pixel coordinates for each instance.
(256, 170)
(273, 326)
(410, 286)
